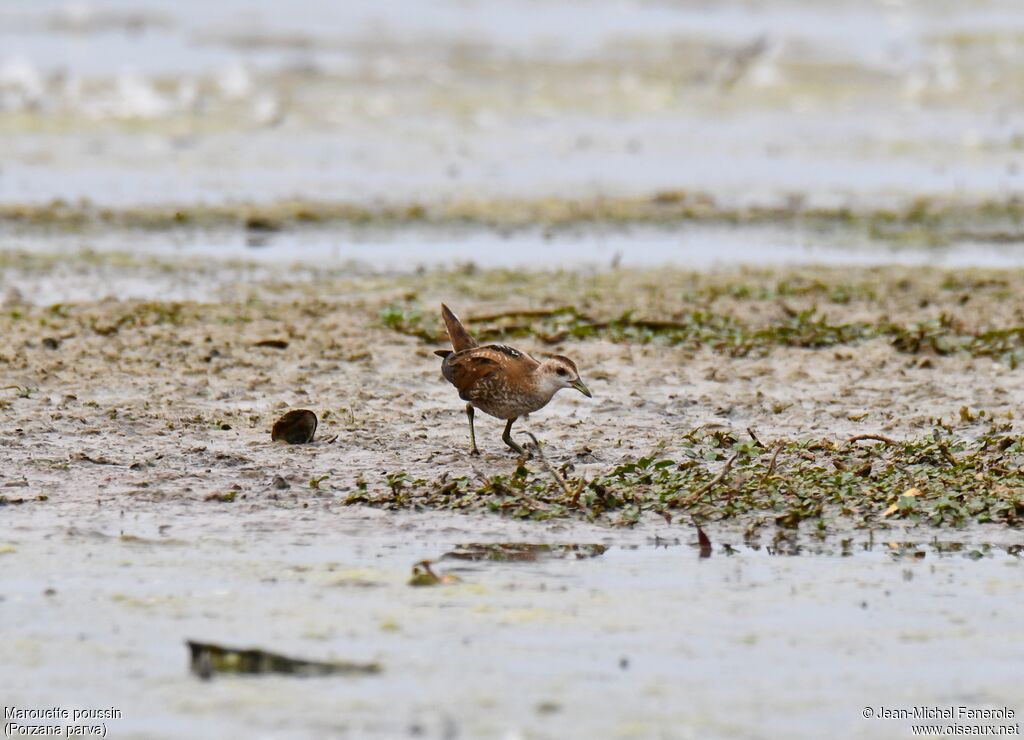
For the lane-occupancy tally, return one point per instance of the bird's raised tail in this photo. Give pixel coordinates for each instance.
(461, 339)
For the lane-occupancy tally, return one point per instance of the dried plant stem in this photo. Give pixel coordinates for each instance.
(572, 495)
(695, 496)
(875, 437)
(948, 455)
(771, 465)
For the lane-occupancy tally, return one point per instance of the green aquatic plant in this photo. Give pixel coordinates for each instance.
(724, 333)
(938, 480)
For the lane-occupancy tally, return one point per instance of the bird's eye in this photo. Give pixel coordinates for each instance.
(562, 371)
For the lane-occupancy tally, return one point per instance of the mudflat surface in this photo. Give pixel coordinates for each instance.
(179, 397)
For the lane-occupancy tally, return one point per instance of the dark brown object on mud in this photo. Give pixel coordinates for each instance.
(296, 427)
(272, 343)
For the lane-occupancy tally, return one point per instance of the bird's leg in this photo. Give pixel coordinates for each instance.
(472, 432)
(507, 439)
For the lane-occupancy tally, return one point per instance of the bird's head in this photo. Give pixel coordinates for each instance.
(558, 372)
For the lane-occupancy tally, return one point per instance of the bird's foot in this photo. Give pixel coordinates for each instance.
(519, 450)
(507, 439)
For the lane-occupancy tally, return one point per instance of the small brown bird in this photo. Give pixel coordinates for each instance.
(502, 381)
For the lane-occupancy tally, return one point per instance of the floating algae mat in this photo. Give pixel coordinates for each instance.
(932, 221)
(208, 659)
(523, 551)
(424, 575)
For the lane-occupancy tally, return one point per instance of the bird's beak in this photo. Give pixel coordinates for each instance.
(578, 385)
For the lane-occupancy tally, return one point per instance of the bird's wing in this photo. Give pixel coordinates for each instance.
(467, 368)
(515, 362)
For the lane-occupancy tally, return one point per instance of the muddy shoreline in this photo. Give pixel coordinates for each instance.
(921, 220)
(157, 400)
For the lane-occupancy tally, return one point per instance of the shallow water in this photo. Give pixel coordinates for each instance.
(214, 265)
(648, 639)
(125, 102)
